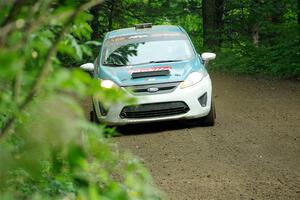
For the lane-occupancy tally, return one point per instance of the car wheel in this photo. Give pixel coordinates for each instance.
(209, 120)
(93, 116)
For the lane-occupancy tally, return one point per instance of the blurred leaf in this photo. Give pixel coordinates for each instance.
(70, 47)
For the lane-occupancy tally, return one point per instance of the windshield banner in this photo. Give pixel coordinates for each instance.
(152, 69)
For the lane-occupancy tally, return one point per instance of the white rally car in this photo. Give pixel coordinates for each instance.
(159, 66)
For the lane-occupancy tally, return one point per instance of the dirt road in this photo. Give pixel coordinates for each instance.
(253, 152)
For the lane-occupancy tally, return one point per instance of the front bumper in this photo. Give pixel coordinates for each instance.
(190, 96)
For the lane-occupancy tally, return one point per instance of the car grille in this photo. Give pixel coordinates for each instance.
(161, 88)
(154, 110)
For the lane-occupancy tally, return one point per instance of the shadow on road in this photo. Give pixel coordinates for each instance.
(157, 127)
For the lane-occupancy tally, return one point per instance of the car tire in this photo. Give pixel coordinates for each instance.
(209, 120)
(93, 116)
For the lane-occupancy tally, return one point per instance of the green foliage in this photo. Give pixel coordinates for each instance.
(281, 60)
(275, 22)
(49, 150)
(60, 155)
(276, 51)
(77, 46)
(126, 13)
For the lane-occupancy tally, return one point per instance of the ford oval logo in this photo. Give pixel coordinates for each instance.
(152, 89)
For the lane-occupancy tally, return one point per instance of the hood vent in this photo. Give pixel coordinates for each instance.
(150, 74)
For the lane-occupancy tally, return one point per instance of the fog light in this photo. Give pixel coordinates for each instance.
(203, 100)
(123, 115)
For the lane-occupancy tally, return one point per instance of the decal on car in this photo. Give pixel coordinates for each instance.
(152, 69)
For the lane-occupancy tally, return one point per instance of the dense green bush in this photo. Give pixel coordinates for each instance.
(275, 54)
(280, 57)
(48, 150)
(260, 37)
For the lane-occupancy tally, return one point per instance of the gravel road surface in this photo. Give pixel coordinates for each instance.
(253, 152)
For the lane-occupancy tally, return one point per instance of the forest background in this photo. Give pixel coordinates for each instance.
(48, 149)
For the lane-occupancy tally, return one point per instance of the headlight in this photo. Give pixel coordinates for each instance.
(108, 84)
(192, 79)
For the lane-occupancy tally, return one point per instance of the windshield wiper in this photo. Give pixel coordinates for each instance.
(158, 61)
(164, 61)
(114, 64)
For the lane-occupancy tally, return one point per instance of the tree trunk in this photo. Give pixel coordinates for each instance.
(255, 35)
(111, 15)
(213, 22)
(220, 20)
(95, 11)
(255, 18)
(298, 12)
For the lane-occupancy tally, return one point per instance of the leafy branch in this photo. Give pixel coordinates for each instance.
(46, 67)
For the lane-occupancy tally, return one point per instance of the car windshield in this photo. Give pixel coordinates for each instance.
(143, 49)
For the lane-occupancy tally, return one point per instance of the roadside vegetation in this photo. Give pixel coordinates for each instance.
(249, 36)
(48, 150)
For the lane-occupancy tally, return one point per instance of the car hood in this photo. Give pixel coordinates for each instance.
(178, 72)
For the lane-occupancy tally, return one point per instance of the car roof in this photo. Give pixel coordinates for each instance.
(153, 29)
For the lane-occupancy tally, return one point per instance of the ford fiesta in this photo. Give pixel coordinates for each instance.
(159, 66)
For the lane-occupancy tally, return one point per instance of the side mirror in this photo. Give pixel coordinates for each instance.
(208, 57)
(88, 67)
